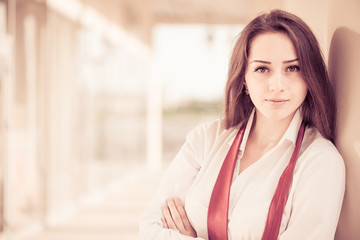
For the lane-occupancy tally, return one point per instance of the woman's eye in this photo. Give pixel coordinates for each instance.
(293, 69)
(261, 70)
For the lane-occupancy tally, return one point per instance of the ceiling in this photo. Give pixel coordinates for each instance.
(139, 16)
(190, 11)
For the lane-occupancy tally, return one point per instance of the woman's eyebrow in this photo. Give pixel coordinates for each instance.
(260, 61)
(290, 61)
(267, 62)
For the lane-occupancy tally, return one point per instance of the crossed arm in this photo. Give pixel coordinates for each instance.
(174, 217)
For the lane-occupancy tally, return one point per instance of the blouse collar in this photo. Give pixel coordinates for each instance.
(290, 134)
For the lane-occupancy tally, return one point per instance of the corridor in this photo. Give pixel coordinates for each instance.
(97, 97)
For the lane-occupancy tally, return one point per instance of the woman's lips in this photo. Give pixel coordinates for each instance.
(277, 101)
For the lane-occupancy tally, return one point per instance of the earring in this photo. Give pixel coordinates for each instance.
(246, 89)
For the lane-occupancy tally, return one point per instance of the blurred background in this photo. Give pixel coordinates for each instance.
(97, 96)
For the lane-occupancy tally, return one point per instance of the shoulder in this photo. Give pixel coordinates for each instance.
(210, 131)
(321, 154)
(319, 146)
(211, 136)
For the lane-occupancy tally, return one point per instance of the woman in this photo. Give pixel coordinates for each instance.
(269, 169)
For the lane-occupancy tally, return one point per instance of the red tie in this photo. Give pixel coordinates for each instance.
(217, 219)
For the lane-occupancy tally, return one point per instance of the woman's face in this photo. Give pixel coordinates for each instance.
(273, 77)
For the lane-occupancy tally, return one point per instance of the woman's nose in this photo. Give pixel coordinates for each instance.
(276, 83)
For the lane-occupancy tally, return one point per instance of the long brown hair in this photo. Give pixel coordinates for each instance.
(318, 108)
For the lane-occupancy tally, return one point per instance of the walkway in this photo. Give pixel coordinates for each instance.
(114, 217)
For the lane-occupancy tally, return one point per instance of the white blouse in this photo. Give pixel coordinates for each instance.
(315, 198)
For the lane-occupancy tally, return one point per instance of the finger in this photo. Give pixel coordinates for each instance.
(175, 215)
(167, 216)
(182, 213)
(164, 223)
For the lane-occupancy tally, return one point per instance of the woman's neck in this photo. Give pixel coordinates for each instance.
(268, 132)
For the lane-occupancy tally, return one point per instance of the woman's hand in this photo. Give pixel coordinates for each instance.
(174, 217)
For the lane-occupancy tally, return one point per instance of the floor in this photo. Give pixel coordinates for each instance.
(115, 216)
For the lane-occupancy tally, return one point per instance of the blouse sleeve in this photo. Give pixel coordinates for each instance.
(318, 196)
(177, 181)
